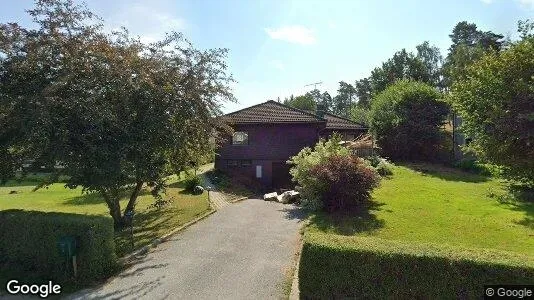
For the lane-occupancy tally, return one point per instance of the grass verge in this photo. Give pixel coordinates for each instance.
(429, 226)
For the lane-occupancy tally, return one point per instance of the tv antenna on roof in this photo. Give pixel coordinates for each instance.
(314, 84)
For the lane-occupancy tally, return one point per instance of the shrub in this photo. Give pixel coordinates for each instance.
(338, 267)
(306, 160)
(406, 120)
(384, 168)
(342, 182)
(381, 165)
(374, 160)
(191, 181)
(29, 244)
(474, 166)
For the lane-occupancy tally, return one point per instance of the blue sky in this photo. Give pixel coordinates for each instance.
(277, 47)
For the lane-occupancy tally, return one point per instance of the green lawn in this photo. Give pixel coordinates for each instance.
(432, 204)
(149, 223)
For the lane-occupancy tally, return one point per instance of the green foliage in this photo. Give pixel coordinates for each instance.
(366, 267)
(306, 160)
(191, 181)
(525, 28)
(304, 102)
(343, 183)
(374, 160)
(330, 178)
(381, 165)
(364, 93)
(424, 66)
(360, 114)
(474, 166)
(115, 112)
(496, 102)
(406, 118)
(384, 168)
(29, 245)
(343, 101)
(468, 45)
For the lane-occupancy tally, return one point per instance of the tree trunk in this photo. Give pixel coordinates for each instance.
(119, 220)
(133, 197)
(114, 210)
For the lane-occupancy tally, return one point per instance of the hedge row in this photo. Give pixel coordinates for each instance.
(365, 267)
(29, 245)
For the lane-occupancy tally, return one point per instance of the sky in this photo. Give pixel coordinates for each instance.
(278, 47)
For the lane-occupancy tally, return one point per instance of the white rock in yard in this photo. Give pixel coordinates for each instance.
(270, 196)
(294, 196)
(286, 197)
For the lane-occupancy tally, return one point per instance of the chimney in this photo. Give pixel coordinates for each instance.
(320, 110)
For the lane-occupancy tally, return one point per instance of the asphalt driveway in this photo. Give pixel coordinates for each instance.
(243, 251)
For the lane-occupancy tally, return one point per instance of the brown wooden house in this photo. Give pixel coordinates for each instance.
(268, 134)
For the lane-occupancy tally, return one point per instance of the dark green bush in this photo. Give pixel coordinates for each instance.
(336, 267)
(384, 168)
(373, 160)
(29, 245)
(406, 119)
(191, 182)
(474, 166)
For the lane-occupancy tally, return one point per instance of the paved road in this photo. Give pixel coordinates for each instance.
(243, 251)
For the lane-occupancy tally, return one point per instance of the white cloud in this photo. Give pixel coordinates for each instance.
(487, 1)
(278, 65)
(527, 3)
(146, 22)
(294, 34)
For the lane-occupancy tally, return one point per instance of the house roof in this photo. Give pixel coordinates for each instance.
(275, 112)
(272, 112)
(337, 122)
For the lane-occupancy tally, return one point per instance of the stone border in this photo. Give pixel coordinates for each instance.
(145, 249)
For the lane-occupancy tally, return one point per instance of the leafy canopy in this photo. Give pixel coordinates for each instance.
(496, 102)
(116, 113)
(406, 118)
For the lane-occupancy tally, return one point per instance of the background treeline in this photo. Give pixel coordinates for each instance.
(426, 64)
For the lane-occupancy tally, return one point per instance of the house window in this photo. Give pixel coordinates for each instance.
(246, 163)
(240, 138)
(232, 163)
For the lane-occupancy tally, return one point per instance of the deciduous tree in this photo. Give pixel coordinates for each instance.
(118, 115)
(495, 98)
(406, 120)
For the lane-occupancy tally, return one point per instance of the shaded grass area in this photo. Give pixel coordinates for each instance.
(435, 204)
(149, 222)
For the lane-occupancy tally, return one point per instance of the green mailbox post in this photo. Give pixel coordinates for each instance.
(68, 247)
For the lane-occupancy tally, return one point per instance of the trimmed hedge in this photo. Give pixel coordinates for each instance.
(365, 267)
(29, 244)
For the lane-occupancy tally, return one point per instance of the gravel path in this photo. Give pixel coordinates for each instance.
(243, 251)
